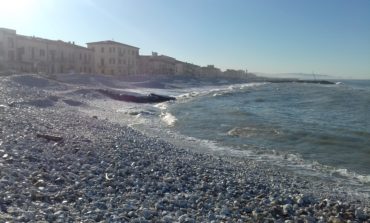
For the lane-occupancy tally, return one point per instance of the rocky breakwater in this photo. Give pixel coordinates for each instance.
(57, 165)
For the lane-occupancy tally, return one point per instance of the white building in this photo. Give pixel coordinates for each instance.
(114, 58)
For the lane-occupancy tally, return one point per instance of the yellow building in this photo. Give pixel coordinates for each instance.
(114, 58)
(34, 55)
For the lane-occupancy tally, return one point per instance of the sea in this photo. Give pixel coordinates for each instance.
(313, 129)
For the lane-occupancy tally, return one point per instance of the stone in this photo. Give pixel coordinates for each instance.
(147, 214)
(360, 215)
(334, 219)
(287, 209)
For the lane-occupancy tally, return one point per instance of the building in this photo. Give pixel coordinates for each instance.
(188, 69)
(238, 74)
(179, 68)
(210, 71)
(29, 54)
(7, 49)
(114, 58)
(157, 64)
(37, 55)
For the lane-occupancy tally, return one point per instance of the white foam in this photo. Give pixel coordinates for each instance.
(162, 106)
(215, 90)
(168, 118)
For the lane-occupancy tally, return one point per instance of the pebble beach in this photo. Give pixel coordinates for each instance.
(61, 165)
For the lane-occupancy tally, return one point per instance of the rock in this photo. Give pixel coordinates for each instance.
(360, 215)
(182, 218)
(211, 217)
(287, 209)
(131, 214)
(40, 183)
(147, 214)
(334, 219)
(38, 196)
(101, 206)
(167, 219)
(225, 211)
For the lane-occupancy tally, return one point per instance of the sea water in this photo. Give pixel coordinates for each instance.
(320, 129)
(320, 126)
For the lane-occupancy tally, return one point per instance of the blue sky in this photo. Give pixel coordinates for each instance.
(271, 36)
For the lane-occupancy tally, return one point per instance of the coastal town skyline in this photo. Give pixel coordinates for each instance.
(32, 54)
(271, 37)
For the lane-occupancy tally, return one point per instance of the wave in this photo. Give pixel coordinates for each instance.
(251, 131)
(216, 91)
(168, 118)
(293, 162)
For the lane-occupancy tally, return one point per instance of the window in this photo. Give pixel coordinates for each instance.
(114, 49)
(11, 55)
(93, 49)
(102, 62)
(42, 53)
(11, 42)
(52, 55)
(2, 51)
(102, 49)
(110, 49)
(80, 56)
(119, 61)
(33, 53)
(114, 61)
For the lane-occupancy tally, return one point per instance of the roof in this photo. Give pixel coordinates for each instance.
(8, 30)
(111, 42)
(71, 44)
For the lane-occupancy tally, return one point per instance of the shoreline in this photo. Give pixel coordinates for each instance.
(105, 171)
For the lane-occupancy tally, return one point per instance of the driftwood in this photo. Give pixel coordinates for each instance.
(50, 137)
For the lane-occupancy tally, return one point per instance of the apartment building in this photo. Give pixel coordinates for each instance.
(210, 71)
(157, 64)
(34, 55)
(7, 49)
(114, 58)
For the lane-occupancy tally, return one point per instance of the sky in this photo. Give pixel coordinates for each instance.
(330, 37)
